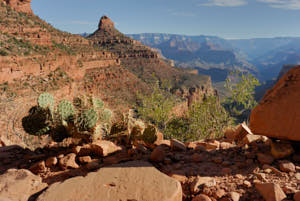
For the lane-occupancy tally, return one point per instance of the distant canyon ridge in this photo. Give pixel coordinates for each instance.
(215, 56)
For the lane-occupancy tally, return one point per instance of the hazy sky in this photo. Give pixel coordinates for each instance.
(224, 18)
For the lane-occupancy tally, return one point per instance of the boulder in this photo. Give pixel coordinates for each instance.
(201, 197)
(134, 180)
(265, 158)
(230, 133)
(19, 185)
(287, 166)
(200, 182)
(203, 145)
(158, 154)
(104, 148)
(219, 193)
(38, 167)
(68, 162)
(179, 176)
(234, 196)
(281, 150)
(176, 145)
(212, 145)
(238, 132)
(270, 191)
(226, 145)
(85, 159)
(249, 138)
(277, 115)
(297, 196)
(51, 161)
(93, 165)
(163, 142)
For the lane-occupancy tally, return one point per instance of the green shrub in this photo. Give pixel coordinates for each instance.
(178, 128)
(242, 90)
(207, 119)
(204, 119)
(3, 53)
(156, 107)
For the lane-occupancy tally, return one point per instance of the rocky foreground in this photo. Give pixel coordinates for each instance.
(241, 166)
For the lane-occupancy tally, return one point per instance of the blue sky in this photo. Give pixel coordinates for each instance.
(223, 18)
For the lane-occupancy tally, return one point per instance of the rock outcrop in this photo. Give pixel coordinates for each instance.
(277, 115)
(128, 181)
(19, 5)
(270, 191)
(106, 23)
(19, 185)
(284, 70)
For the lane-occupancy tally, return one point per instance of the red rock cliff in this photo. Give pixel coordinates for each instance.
(19, 5)
(106, 23)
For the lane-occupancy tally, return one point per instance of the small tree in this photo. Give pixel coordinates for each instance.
(157, 106)
(207, 119)
(242, 90)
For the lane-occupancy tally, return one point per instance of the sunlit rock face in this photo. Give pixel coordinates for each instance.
(278, 113)
(20, 5)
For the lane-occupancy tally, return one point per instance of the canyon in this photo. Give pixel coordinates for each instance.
(36, 57)
(257, 163)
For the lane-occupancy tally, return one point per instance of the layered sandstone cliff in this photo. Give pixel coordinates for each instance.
(35, 57)
(19, 5)
(143, 61)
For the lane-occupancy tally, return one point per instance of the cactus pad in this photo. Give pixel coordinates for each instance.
(66, 110)
(46, 100)
(150, 134)
(87, 120)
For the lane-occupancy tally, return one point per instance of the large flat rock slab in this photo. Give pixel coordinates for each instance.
(134, 180)
(19, 185)
(278, 114)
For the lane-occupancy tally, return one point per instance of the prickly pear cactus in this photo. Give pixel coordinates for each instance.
(97, 103)
(150, 134)
(87, 120)
(45, 101)
(78, 102)
(136, 133)
(66, 110)
(97, 133)
(106, 115)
